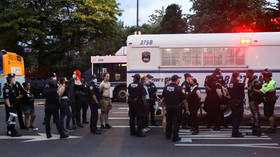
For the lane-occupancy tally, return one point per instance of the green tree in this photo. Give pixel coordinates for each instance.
(217, 16)
(173, 21)
(55, 29)
(273, 17)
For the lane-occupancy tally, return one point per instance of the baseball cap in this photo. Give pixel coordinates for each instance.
(136, 76)
(175, 77)
(187, 75)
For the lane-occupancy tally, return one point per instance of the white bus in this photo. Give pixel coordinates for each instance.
(199, 54)
(116, 67)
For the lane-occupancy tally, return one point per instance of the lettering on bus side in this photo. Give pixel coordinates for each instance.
(146, 42)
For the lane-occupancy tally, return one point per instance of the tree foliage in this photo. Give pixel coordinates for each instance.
(55, 29)
(173, 21)
(217, 16)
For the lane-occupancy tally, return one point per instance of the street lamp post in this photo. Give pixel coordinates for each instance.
(137, 18)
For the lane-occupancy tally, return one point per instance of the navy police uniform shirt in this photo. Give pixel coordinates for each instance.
(152, 90)
(186, 87)
(173, 95)
(136, 90)
(236, 90)
(10, 93)
(93, 90)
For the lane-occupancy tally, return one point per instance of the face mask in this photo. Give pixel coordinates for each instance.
(147, 82)
(74, 76)
(54, 78)
(95, 80)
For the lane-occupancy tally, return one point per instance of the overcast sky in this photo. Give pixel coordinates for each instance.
(147, 7)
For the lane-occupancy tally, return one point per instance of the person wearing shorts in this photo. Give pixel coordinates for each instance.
(269, 99)
(28, 106)
(105, 101)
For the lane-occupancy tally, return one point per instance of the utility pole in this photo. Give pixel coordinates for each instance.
(137, 19)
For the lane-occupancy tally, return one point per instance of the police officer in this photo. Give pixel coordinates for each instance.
(152, 89)
(254, 101)
(136, 102)
(85, 101)
(213, 85)
(236, 91)
(51, 109)
(186, 89)
(94, 98)
(9, 95)
(268, 91)
(173, 97)
(18, 105)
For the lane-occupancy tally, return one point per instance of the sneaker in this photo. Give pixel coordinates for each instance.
(107, 126)
(63, 136)
(176, 139)
(102, 127)
(49, 136)
(96, 132)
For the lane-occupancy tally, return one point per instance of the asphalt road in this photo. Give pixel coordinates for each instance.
(117, 142)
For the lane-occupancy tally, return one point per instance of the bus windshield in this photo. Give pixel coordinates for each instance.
(117, 71)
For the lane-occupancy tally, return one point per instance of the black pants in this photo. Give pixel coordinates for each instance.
(18, 108)
(152, 111)
(93, 116)
(173, 122)
(136, 115)
(48, 114)
(147, 111)
(193, 115)
(84, 109)
(237, 115)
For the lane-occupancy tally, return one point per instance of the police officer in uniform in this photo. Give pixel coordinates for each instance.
(85, 101)
(18, 105)
(9, 95)
(254, 101)
(236, 91)
(136, 102)
(94, 98)
(152, 89)
(212, 105)
(173, 97)
(186, 89)
(51, 109)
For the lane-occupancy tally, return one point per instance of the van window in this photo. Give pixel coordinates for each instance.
(203, 56)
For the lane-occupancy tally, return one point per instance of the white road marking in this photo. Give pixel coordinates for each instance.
(227, 138)
(118, 118)
(40, 137)
(123, 108)
(125, 112)
(250, 145)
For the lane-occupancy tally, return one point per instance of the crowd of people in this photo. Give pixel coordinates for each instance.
(181, 103)
(65, 100)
